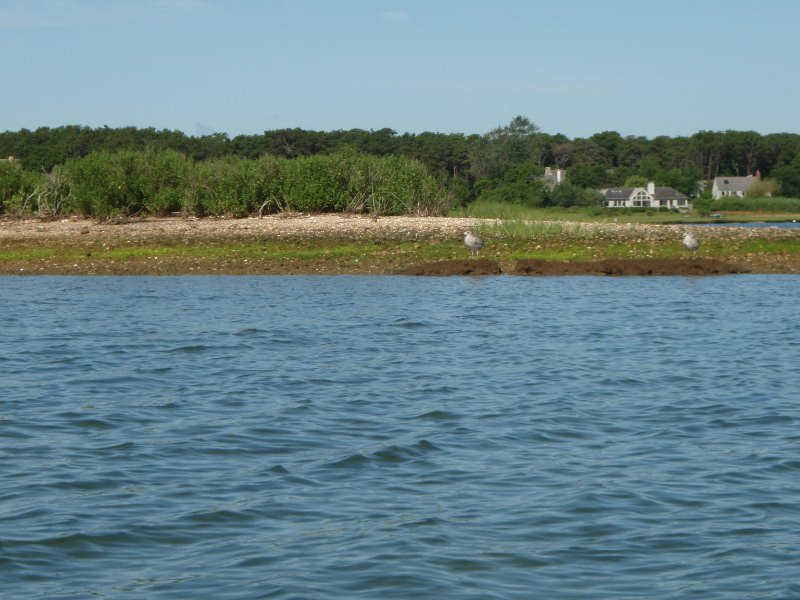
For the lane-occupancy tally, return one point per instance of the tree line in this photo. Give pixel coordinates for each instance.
(504, 164)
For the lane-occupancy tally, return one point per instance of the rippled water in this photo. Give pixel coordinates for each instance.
(390, 437)
(752, 224)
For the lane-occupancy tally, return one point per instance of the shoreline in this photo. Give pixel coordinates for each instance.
(288, 244)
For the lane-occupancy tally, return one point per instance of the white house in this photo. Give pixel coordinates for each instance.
(733, 186)
(649, 197)
(553, 177)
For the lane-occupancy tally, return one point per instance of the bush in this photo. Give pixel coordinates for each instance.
(566, 194)
(779, 204)
(399, 185)
(225, 187)
(107, 184)
(314, 184)
(124, 183)
(164, 181)
(521, 185)
(17, 187)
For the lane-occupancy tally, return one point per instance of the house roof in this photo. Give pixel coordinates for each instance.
(661, 193)
(668, 193)
(734, 184)
(618, 193)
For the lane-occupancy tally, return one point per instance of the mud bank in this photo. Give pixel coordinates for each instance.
(618, 267)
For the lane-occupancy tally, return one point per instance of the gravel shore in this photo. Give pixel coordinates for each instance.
(92, 235)
(332, 225)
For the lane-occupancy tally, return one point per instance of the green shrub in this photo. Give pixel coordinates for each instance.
(269, 187)
(778, 204)
(314, 184)
(226, 187)
(17, 188)
(396, 185)
(107, 184)
(164, 179)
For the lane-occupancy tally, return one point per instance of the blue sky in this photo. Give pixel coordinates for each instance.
(577, 67)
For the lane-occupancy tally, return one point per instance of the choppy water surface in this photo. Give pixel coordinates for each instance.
(389, 437)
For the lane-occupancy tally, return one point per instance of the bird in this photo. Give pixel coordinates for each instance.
(690, 242)
(473, 242)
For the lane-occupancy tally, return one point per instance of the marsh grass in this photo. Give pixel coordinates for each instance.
(539, 231)
(40, 253)
(744, 209)
(775, 204)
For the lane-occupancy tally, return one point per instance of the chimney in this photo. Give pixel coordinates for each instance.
(758, 175)
(651, 187)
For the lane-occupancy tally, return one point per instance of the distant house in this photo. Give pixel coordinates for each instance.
(553, 177)
(649, 197)
(9, 159)
(733, 186)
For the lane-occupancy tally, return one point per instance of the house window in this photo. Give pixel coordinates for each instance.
(641, 198)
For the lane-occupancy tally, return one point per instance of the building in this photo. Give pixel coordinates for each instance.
(733, 186)
(553, 177)
(649, 197)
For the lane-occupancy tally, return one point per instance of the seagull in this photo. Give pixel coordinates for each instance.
(473, 242)
(690, 242)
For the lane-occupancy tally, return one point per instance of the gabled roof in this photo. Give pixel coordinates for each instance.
(618, 193)
(661, 193)
(668, 193)
(734, 184)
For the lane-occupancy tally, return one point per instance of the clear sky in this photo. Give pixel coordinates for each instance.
(577, 67)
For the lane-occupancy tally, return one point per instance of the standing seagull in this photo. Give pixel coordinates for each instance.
(473, 242)
(690, 242)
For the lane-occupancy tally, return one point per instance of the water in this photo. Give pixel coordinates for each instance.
(753, 224)
(390, 437)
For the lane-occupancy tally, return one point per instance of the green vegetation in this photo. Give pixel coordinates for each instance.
(108, 172)
(129, 182)
(116, 252)
(484, 209)
(768, 205)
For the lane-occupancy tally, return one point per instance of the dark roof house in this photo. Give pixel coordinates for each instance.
(649, 197)
(733, 186)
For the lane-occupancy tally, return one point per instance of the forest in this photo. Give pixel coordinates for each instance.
(105, 171)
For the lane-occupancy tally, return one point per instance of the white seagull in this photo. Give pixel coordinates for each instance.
(690, 242)
(473, 242)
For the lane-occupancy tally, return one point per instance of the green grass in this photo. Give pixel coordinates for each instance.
(769, 205)
(506, 240)
(27, 254)
(535, 231)
(754, 209)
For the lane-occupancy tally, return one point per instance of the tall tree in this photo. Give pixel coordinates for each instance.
(788, 177)
(609, 141)
(506, 147)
